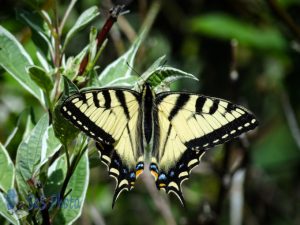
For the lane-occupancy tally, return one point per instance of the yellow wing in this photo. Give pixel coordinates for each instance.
(187, 125)
(112, 118)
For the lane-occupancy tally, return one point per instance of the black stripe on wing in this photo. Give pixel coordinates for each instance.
(125, 177)
(81, 121)
(233, 129)
(211, 110)
(171, 180)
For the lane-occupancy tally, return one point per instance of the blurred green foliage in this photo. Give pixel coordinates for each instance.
(197, 37)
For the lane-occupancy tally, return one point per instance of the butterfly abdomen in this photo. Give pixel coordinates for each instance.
(148, 97)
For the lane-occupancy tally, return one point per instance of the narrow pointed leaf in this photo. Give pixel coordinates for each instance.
(124, 82)
(165, 75)
(40, 30)
(71, 208)
(4, 212)
(122, 67)
(63, 129)
(69, 88)
(85, 18)
(33, 151)
(41, 78)
(7, 175)
(14, 59)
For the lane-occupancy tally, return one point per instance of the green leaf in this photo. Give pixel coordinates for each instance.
(122, 67)
(93, 79)
(161, 76)
(226, 27)
(29, 124)
(15, 130)
(34, 151)
(85, 18)
(69, 88)
(41, 78)
(63, 129)
(78, 184)
(14, 59)
(124, 81)
(7, 175)
(11, 217)
(40, 30)
(72, 65)
(158, 63)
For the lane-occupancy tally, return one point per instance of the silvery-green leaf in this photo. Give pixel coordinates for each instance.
(40, 30)
(122, 67)
(85, 18)
(7, 175)
(41, 78)
(124, 82)
(163, 76)
(4, 212)
(14, 59)
(33, 152)
(71, 208)
(63, 129)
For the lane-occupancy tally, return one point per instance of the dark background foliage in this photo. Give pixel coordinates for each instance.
(244, 51)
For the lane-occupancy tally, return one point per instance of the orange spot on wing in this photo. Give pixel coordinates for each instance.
(138, 172)
(154, 174)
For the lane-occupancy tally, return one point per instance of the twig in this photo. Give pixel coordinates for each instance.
(62, 24)
(67, 155)
(224, 182)
(290, 116)
(57, 54)
(96, 216)
(127, 28)
(285, 18)
(102, 35)
(161, 204)
(237, 197)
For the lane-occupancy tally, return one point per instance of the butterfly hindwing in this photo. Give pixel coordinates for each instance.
(188, 124)
(170, 180)
(125, 177)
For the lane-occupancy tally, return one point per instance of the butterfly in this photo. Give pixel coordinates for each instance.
(179, 127)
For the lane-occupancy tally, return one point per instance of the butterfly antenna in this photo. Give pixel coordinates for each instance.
(127, 63)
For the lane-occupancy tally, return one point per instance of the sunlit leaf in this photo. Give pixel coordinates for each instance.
(7, 175)
(71, 208)
(10, 216)
(14, 59)
(161, 76)
(33, 152)
(121, 67)
(85, 18)
(124, 81)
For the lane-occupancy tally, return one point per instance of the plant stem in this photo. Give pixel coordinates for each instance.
(67, 13)
(67, 155)
(102, 35)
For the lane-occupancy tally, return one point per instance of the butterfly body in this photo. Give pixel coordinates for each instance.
(177, 127)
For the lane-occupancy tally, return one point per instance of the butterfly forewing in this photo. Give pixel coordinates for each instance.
(189, 124)
(112, 118)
